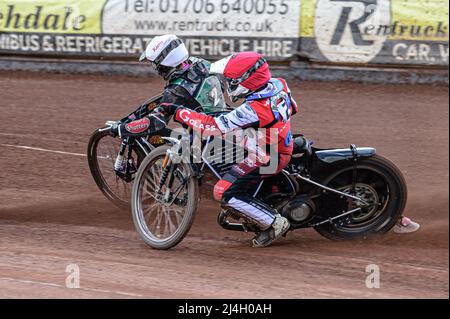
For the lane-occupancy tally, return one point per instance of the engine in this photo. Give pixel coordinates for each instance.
(299, 209)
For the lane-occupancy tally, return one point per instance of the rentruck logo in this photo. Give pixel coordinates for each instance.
(343, 28)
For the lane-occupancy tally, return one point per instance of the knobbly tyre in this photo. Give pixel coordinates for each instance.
(113, 161)
(343, 193)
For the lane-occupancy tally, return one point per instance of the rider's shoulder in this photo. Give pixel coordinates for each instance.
(273, 87)
(201, 66)
(196, 72)
(196, 60)
(284, 83)
(175, 88)
(255, 105)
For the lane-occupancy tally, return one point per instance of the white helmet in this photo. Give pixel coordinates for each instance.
(165, 53)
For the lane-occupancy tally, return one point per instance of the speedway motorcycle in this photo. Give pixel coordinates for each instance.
(343, 193)
(113, 161)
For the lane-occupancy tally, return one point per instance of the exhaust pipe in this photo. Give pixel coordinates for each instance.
(224, 223)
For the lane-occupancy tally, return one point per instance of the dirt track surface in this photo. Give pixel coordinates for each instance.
(52, 214)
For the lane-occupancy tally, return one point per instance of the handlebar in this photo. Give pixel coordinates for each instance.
(109, 125)
(158, 121)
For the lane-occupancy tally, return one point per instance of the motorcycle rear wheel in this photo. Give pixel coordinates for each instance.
(378, 179)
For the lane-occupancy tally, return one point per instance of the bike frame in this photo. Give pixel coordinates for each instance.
(205, 162)
(293, 178)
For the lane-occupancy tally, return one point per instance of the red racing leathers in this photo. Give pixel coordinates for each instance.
(270, 109)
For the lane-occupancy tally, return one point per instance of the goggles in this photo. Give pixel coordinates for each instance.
(235, 82)
(163, 54)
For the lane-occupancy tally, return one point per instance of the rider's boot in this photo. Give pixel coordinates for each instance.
(279, 227)
(406, 226)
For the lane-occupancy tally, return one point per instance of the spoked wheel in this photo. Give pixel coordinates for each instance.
(162, 215)
(102, 153)
(370, 196)
(381, 185)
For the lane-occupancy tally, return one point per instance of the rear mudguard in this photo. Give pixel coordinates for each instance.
(339, 154)
(324, 162)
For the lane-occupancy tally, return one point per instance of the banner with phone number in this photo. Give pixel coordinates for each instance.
(338, 31)
(210, 28)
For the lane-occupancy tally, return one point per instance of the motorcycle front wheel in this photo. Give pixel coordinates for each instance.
(163, 215)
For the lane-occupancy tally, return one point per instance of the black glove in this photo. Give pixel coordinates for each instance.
(150, 124)
(169, 108)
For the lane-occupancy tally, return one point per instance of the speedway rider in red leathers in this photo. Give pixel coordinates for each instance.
(269, 105)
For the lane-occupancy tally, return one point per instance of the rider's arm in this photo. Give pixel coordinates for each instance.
(178, 95)
(242, 117)
(173, 94)
(139, 113)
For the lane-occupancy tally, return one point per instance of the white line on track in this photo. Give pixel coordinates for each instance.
(48, 284)
(40, 138)
(42, 150)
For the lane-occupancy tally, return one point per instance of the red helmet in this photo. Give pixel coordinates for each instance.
(246, 72)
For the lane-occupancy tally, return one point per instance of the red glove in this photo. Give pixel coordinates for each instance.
(205, 123)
